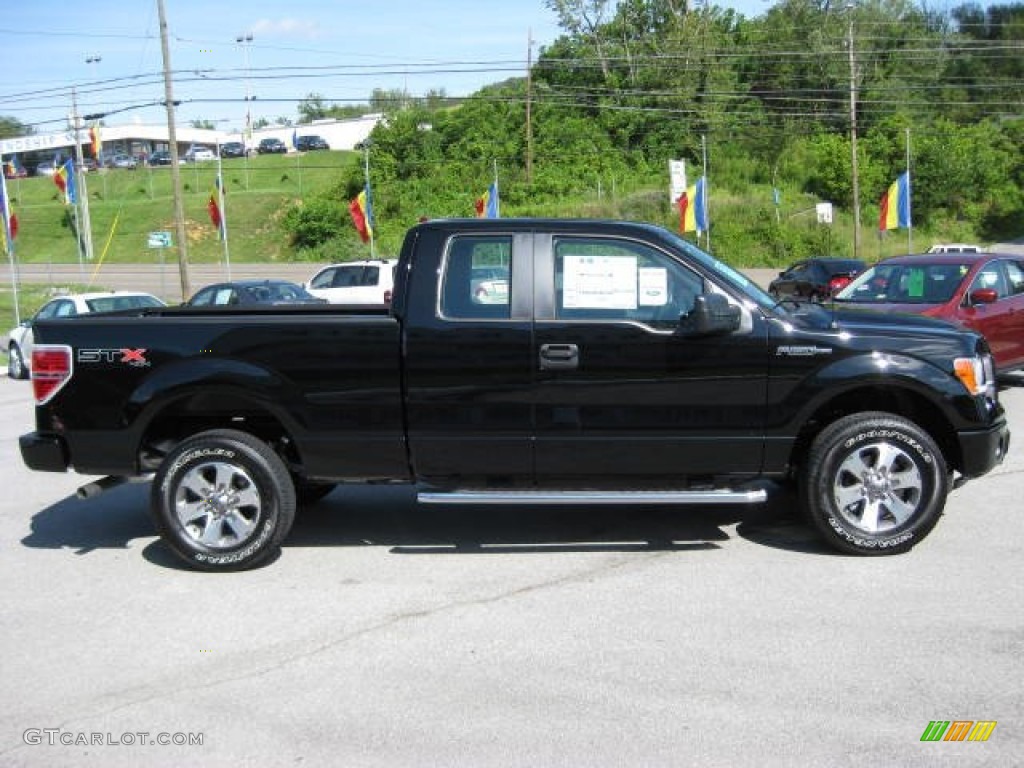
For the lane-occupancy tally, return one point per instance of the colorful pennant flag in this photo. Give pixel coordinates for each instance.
(487, 204)
(693, 208)
(895, 205)
(361, 210)
(97, 144)
(64, 178)
(9, 225)
(213, 208)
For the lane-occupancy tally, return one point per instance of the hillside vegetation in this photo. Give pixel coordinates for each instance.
(629, 86)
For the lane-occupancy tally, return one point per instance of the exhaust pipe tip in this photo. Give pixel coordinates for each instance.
(96, 487)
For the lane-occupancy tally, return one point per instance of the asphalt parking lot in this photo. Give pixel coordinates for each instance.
(388, 634)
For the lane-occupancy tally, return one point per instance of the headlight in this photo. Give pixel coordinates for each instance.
(976, 374)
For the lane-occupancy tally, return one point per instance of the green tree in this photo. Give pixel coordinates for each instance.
(11, 127)
(312, 108)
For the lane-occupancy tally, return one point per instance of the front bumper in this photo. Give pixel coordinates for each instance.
(45, 453)
(983, 450)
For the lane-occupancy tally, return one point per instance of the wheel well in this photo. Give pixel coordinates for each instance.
(901, 402)
(199, 412)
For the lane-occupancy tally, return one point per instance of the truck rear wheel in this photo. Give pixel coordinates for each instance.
(875, 484)
(223, 501)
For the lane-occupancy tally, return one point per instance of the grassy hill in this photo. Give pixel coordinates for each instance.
(125, 205)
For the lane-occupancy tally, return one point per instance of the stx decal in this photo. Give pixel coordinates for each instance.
(133, 357)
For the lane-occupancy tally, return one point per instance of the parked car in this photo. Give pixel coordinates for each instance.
(982, 291)
(252, 292)
(160, 157)
(311, 142)
(121, 161)
(489, 285)
(629, 368)
(232, 149)
(271, 147)
(14, 171)
(21, 339)
(367, 283)
(196, 154)
(815, 278)
(46, 167)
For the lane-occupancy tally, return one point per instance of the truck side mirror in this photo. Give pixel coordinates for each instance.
(712, 314)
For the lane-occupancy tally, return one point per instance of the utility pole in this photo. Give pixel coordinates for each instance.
(529, 99)
(80, 185)
(172, 138)
(853, 136)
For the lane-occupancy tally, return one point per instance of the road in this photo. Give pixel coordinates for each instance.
(393, 635)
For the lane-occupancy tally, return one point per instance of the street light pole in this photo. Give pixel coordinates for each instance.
(245, 41)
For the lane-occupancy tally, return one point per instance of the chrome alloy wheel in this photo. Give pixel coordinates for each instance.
(878, 487)
(218, 505)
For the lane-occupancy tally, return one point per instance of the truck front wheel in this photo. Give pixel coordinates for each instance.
(223, 500)
(874, 484)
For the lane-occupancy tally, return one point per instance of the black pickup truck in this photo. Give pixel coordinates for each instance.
(522, 362)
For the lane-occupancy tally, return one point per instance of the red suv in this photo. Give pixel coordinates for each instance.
(983, 291)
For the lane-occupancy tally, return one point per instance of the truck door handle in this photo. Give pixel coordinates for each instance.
(559, 357)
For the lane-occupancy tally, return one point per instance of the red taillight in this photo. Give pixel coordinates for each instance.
(387, 298)
(51, 370)
(837, 284)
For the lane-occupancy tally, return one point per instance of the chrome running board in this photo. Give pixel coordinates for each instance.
(723, 496)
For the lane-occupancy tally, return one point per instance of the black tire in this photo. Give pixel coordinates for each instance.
(874, 484)
(308, 493)
(16, 368)
(223, 501)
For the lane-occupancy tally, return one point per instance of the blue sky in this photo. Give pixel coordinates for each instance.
(340, 49)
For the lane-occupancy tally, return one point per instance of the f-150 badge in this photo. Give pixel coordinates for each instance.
(802, 351)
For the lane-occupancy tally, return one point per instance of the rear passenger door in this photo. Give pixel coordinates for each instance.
(469, 366)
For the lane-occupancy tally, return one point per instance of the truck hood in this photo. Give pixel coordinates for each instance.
(901, 331)
(892, 318)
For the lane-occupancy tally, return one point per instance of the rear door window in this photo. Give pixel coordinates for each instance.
(476, 278)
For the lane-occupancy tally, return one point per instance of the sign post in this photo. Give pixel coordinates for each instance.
(161, 241)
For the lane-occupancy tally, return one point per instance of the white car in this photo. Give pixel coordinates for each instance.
(20, 340)
(489, 285)
(356, 283)
(199, 154)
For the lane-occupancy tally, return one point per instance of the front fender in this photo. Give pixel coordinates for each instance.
(794, 399)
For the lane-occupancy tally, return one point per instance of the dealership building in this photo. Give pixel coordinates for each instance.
(143, 140)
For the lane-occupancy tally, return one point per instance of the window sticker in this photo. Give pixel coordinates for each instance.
(599, 282)
(653, 287)
(915, 284)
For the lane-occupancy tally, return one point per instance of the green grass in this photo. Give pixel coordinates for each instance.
(126, 205)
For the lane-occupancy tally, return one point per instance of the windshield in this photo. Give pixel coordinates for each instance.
(920, 282)
(732, 277)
